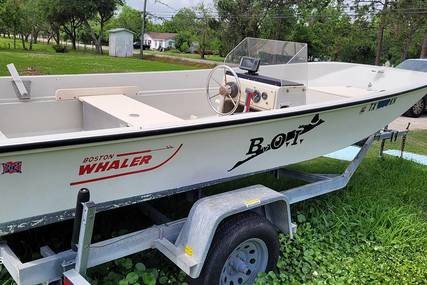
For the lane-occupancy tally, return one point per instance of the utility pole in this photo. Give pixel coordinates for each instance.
(143, 29)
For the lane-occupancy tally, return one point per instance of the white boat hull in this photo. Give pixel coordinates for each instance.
(39, 186)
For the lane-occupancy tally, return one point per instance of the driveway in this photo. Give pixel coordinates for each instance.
(416, 123)
(180, 58)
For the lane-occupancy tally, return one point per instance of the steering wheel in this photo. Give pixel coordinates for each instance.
(217, 92)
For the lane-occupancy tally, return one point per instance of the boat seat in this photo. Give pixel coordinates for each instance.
(74, 93)
(130, 111)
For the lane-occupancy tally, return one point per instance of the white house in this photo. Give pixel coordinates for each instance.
(120, 42)
(159, 40)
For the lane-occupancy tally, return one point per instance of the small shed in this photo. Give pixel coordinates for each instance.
(120, 42)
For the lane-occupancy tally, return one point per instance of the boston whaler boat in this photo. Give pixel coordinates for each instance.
(139, 136)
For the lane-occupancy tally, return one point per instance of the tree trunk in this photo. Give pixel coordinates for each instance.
(73, 36)
(31, 41)
(35, 37)
(380, 35)
(73, 41)
(97, 40)
(408, 42)
(14, 37)
(23, 41)
(101, 33)
(57, 38)
(424, 47)
(97, 47)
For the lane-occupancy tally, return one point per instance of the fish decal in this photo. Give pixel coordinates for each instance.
(291, 138)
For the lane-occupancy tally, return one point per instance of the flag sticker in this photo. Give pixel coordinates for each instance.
(11, 167)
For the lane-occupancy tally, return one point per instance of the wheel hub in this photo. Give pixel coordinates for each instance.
(418, 108)
(244, 263)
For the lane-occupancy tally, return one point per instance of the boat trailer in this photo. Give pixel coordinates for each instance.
(186, 242)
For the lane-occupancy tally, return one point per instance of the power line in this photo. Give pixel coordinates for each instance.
(409, 10)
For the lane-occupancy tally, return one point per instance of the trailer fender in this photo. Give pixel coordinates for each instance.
(206, 214)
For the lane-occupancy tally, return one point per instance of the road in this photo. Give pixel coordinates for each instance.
(416, 123)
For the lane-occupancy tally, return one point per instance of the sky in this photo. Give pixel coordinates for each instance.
(171, 7)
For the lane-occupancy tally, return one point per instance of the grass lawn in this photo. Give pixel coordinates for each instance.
(44, 60)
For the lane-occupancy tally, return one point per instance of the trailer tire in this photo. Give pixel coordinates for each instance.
(418, 109)
(247, 238)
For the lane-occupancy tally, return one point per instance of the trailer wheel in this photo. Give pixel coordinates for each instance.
(244, 245)
(418, 109)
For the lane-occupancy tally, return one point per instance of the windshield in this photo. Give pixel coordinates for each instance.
(269, 52)
(411, 64)
(278, 59)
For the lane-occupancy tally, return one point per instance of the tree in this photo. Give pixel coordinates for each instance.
(324, 26)
(424, 46)
(204, 28)
(281, 21)
(360, 42)
(128, 18)
(12, 16)
(243, 18)
(31, 22)
(381, 9)
(103, 11)
(183, 21)
(53, 25)
(70, 15)
(3, 23)
(406, 23)
(38, 19)
(183, 41)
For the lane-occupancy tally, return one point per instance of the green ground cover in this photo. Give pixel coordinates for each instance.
(43, 60)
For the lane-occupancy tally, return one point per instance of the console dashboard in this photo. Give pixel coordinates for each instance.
(270, 93)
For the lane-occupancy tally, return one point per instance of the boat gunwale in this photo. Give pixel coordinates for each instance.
(188, 128)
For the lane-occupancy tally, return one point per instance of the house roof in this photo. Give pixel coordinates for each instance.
(162, 36)
(120, 30)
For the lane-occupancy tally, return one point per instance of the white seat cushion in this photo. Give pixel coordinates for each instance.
(131, 111)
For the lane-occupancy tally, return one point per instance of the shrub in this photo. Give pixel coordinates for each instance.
(60, 48)
(185, 47)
